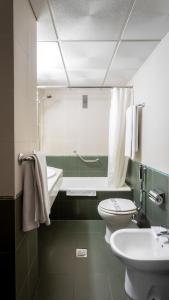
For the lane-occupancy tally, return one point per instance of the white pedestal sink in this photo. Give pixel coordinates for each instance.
(147, 263)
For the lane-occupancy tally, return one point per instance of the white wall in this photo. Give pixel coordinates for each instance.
(66, 126)
(151, 85)
(25, 114)
(6, 99)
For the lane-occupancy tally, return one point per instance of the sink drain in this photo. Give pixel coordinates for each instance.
(80, 253)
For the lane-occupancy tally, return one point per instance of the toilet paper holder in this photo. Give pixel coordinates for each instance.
(157, 196)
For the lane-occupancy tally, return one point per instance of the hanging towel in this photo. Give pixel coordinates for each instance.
(134, 131)
(131, 135)
(36, 206)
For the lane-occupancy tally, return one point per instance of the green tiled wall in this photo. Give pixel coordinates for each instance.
(26, 257)
(154, 180)
(82, 208)
(18, 253)
(73, 167)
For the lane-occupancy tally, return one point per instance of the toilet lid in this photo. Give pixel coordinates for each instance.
(116, 205)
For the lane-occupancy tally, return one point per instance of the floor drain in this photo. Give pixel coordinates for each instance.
(81, 253)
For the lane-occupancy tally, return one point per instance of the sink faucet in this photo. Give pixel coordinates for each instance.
(164, 233)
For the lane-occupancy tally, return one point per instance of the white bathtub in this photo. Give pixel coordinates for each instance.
(55, 178)
(89, 184)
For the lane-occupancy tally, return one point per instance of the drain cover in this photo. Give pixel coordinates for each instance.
(81, 253)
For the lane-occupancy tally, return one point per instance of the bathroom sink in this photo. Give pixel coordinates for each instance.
(146, 257)
(141, 249)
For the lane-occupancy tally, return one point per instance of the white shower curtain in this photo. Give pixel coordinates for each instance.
(121, 98)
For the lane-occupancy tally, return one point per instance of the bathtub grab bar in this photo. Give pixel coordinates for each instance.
(85, 160)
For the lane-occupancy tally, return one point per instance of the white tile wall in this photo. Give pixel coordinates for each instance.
(151, 86)
(25, 114)
(66, 126)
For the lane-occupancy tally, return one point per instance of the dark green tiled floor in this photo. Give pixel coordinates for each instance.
(100, 276)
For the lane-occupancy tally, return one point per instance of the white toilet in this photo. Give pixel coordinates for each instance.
(117, 214)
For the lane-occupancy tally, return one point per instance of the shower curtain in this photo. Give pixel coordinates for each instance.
(121, 99)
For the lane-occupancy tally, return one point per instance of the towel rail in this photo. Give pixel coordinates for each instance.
(22, 157)
(141, 105)
(85, 160)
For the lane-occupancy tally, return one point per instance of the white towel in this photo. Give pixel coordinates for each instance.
(36, 206)
(131, 136)
(134, 132)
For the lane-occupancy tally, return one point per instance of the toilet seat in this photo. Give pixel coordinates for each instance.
(117, 206)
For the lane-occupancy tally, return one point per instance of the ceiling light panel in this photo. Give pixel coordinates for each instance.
(129, 58)
(149, 20)
(45, 29)
(49, 64)
(87, 61)
(89, 19)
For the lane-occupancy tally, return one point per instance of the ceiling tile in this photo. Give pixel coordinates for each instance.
(89, 19)
(119, 77)
(86, 77)
(87, 55)
(45, 29)
(49, 64)
(149, 20)
(129, 58)
(131, 55)
(87, 61)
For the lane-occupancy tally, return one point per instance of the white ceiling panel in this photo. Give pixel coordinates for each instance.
(130, 56)
(87, 77)
(119, 77)
(87, 61)
(89, 19)
(49, 64)
(149, 20)
(88, 32)
(87, 55)
(45, 29)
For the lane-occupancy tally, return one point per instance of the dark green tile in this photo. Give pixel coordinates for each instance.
(33, 279)
(67, 227)
(160, 181)
(71, 173)
(59, 257)
(71, 163)
(94, 287)
(92, 173)
(7, 275)
(56, 161)
(154, 180)
(116, 284)
(32, 246)
(7, 234)
(24, 292)
(52, 287)
(19, 234)
(22, 267)
(89, 276)
(72, 166)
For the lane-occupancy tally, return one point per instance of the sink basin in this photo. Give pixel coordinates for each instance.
(141, 249)
(147, 262)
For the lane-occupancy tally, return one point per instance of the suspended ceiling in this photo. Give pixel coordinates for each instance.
(96, 42)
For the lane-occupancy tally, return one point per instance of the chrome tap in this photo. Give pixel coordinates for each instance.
(164, 233)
